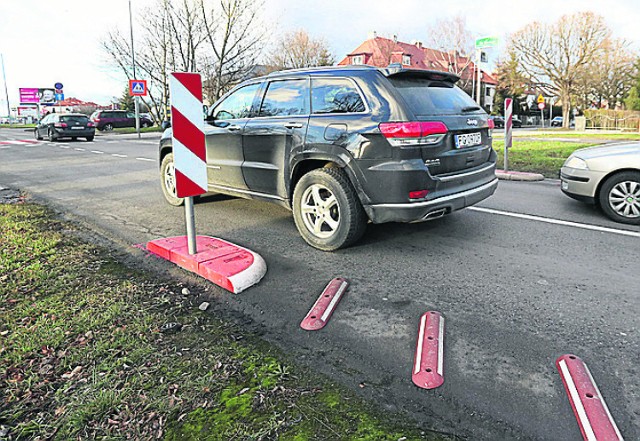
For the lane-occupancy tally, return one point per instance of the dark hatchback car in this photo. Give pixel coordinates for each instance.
(344, 146)
(498, 121)
(71, 125)
(110, 119)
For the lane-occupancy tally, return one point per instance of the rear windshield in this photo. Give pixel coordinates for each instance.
(428, 97)
(68, 119)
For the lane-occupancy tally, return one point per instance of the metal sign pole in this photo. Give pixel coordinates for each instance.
(133, 62)
(191, 224)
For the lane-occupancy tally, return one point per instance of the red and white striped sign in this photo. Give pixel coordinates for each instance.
(508, 122)
(428, 366)
(187, 122)
(592, 413)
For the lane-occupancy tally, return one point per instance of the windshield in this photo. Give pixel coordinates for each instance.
(428, 97)
(75, 118)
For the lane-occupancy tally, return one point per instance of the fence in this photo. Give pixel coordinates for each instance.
(624, 121)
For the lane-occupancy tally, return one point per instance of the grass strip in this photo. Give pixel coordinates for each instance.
(82, 356)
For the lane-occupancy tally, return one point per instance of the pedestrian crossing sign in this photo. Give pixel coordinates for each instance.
(138, 87)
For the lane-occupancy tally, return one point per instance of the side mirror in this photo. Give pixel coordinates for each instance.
(205, 111)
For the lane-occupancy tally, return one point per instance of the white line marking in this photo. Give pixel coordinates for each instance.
(145, 159)
(5, 147)
(604, 404)
(577, 402)
(98, 152)
(423, 321)
(146, 142)
(79, 149)
(441, 345)
(334, 301)
(64, 147)
(557, 222)
(118, 155)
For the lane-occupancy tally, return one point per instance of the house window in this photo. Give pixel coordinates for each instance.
(406, 60)
(357, 59)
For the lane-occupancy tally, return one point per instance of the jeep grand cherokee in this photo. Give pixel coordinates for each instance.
(344, 145)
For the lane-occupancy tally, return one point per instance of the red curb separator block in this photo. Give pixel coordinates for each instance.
(322, 310)
(592, 413)
(229, 266)
(428, 366)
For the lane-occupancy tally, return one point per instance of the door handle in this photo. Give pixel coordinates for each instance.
(293, 125)
(233, 128)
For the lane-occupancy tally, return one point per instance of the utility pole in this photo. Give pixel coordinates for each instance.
(133, 62)
(6, 93)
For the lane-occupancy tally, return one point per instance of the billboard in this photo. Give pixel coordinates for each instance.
(31, 95)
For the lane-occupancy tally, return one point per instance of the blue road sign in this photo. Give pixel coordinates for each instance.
(138, 87)
(59, 96)
(58, 86)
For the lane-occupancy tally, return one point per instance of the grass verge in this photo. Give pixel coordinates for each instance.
(82, 356)
(17, 126)
(545, 157)
(126, 130)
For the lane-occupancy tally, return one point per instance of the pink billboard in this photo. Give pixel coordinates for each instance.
(29, 95)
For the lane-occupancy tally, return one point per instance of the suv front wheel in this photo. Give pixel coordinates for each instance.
(327, 211)
(168, 181)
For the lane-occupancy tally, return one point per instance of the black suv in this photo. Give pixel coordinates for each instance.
(344, 145)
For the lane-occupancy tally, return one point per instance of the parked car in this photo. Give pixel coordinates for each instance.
(111, 119)
(498, 121)
(70, 125)
(557, 121)
(344, 146)
(608, 176)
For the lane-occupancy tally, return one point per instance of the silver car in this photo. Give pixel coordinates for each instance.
(608, 176)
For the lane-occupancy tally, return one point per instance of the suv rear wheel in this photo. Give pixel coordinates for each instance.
(327, 211)
(168, 181)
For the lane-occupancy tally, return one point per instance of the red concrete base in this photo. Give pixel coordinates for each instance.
(227, 265)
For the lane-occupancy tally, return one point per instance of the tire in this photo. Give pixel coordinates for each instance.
(74, 138)
(107, 127)
(37, 135)
(327, 211)
(619, 197)
(168, 181)
(89, 138)
(51, 136)
(145, 125)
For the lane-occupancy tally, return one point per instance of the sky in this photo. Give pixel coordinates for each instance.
(46, 41)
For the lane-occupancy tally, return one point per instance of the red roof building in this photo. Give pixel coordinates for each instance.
(381, 52)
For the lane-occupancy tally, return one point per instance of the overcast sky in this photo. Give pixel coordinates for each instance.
(45, 41)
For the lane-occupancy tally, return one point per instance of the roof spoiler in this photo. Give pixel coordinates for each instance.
(396, 70)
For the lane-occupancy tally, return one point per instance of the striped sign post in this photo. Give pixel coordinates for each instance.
(508, 126)
(189, 150)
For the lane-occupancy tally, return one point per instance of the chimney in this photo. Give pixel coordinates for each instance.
(395, 38)
(372, 35)
(419, 44)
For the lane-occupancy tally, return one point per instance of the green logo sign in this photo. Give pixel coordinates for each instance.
(482, 43)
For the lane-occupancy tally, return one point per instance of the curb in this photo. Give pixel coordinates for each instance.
(518, 176)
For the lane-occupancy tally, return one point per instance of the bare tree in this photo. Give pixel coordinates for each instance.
(295, 50)
(235, 39)
(453, 47)
(556, 54)
(612, 73)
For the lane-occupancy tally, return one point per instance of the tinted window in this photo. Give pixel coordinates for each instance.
(238, 104)
(335, 95)
(285, 98)
(74, 119)
(130, 115)
(428, 97)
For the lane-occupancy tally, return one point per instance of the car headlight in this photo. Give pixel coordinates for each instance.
(575, 162)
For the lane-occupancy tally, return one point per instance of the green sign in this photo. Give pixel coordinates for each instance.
(482, 43)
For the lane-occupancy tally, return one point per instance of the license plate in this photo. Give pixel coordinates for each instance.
(77, 128)
(468, 140)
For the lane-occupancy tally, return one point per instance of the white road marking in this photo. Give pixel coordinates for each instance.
(146, 142)
(145, 159)
(64, 146)
(557, 222)
(79, 149)
(118, 155)
(5, 146)
(98, 152)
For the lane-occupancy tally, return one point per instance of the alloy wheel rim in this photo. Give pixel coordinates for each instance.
(624, 199)
(320, 211)
(170, 179)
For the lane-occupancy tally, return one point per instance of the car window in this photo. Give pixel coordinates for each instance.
(285, 98)
(237, 105)
(428, 97)
(130, 115)
(74, 119)
(335, 95)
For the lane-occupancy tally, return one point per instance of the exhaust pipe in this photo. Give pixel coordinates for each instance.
(435, 214)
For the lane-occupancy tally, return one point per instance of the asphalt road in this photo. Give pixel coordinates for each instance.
(517, 292)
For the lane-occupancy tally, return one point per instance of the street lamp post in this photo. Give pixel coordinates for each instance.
(6, 93)
(133, 62)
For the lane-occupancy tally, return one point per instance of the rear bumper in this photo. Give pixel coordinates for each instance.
(422, 211)
(68, 133)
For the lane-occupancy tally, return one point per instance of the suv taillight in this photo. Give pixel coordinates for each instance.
(60, 125)
(413, 133)
(89, 124)
(492, 125)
